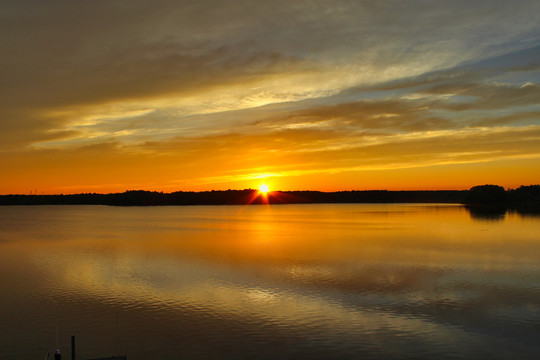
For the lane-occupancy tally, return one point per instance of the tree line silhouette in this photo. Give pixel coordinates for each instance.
(483, 195)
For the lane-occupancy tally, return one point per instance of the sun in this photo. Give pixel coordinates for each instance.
(264, 189)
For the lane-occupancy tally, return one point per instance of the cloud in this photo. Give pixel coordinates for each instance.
(518, 117)
(390, 115)
(487, 95)
(319, 86)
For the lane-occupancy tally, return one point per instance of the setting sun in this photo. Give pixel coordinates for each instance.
(264, 189)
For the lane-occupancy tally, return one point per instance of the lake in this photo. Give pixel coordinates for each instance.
(344, 281)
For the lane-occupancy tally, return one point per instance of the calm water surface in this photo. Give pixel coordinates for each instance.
(268, 282)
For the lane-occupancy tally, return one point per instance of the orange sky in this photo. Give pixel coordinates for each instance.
(176, 95)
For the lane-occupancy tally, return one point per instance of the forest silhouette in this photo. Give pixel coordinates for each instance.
(524, 197)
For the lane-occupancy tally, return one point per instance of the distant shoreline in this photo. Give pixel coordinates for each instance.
(237, 197)
(478, 195)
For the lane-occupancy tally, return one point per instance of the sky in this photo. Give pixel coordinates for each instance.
(173, 95)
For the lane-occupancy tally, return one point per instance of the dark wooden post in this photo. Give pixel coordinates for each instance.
(72, 347)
